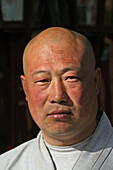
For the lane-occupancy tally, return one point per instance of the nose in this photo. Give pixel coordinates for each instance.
(57, 93)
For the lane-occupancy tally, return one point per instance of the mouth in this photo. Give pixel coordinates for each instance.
(59, 114)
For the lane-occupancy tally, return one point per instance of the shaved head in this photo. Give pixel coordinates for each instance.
(57, 35)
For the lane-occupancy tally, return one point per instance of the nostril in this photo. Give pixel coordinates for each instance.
(61, 101)
(53, 101)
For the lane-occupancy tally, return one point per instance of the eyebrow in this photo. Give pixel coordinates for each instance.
(40, 71)
(70, 69)
(61, 71)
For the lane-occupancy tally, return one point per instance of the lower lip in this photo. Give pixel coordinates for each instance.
(59, 116)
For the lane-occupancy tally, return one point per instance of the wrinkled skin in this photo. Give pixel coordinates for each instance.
(61, 86)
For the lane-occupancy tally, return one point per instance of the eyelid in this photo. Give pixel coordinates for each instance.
(44, 80)
(40, 77)
(72, 74)
(72, 78)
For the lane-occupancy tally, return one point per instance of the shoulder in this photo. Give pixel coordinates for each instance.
(15, 156)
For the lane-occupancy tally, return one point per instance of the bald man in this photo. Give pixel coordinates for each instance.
(61, 86)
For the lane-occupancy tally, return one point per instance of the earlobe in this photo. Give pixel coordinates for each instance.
(97, 79)
(23, 80)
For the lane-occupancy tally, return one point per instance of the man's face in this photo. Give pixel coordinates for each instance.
(61, 91)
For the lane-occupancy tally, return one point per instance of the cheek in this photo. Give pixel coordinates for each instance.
(81, 103)
(36, 98)
(80, 97)
(76, 95)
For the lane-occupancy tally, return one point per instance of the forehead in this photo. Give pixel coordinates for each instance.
(56, 52)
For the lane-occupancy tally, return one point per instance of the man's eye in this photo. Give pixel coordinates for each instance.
(72, 78)
(42, 81)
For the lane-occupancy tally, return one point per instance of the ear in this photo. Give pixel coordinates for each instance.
(97, 79)
(23, 80)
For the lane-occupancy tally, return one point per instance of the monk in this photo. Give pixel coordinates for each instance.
(61, 85)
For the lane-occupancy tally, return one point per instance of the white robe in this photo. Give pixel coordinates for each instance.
(33, 155)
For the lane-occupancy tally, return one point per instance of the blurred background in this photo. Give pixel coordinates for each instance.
(20, 20)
